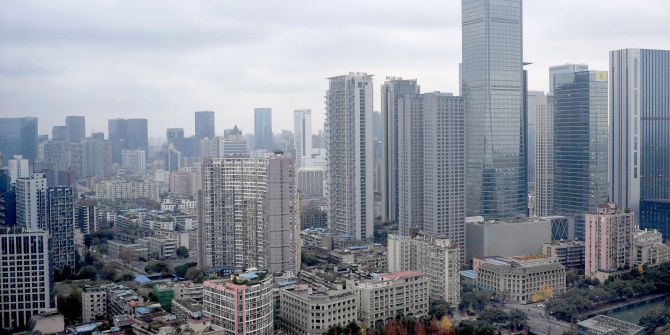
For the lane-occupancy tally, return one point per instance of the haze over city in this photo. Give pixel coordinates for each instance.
(163, 60)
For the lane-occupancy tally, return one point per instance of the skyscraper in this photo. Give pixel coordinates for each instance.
(543, 109)
(560, 69)
(232, 214)
(431, 166)
(532, 98)
(391, 92)
(31, 202)
(349, 155)
(60, 226)
(263, 129)
(76, 128)
(580, 144)
(302, 129)
(30, 290)
(19, 167)
(281, 222)
(128, 134)
(204, 125)
(492, 84)
(18, 136)
(96, 158)
(639, 144)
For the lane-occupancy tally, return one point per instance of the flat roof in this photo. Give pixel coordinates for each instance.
(401, 274)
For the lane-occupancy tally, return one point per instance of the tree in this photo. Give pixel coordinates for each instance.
(180, 270)
(70, 305)
(108, 271)
(196, 275)
(88, 272)
(439, 308)
(466, 327)
(157, 267)
(182, 252)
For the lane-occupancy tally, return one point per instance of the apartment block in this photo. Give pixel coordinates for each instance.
(307, 311)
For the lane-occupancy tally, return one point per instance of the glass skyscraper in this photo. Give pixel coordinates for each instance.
(18, 136)
(639, 146)
(204, 125)
(263, 129)
(492, 85)
(580, 144)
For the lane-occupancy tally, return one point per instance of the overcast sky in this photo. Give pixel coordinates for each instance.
(162, 60)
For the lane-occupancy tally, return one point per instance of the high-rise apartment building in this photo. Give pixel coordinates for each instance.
(242, 304)
(543, 148)
(302, 130)
(18, 167)
(18, 136)
(96, 158)
(608, 240)
(204, 125)
(349, 149)
(580, 144)
(232, 212)
(639, 113)
(493, 88)
(134, 160)
(263, 129)
(391, 92)
(60, 226)
(76, 128)
(31, 202)
(25, 256)
(282, 229)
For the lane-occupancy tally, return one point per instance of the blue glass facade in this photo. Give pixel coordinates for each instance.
(18, 136)
(580, 144)
(263, 129)
(655, 214)
(492, 85)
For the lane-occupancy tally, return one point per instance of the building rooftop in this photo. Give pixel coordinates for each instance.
(402, 274)
(606, 325)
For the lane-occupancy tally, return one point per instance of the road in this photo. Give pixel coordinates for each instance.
(538, 322)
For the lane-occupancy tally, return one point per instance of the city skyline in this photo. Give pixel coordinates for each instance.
(129, 60)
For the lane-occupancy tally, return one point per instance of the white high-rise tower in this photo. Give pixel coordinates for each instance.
(302, 131)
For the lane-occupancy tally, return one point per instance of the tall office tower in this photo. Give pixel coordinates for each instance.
(174, 134)
(560, 69)
(608, 240)
(7, 200)
(232, 213)
(128, 134)
(98, 135)
(532, 98)
(493, 88)
(391, 92)
(580, 144)
(302, 129)
(444, 167)
(263, 129)
(18, 136)
(18, 167)
(25, 255)
(233, 143)
(31, 201)
(96, 158)
(204, 125)
(543, 110)
(134, 160)
(117, 134)
(76, 128)
(281, 219)
(172, 158)
(59, 217)
(287, 143)
(349, 155)
(639, 145)
(60, 133)
(41, 141)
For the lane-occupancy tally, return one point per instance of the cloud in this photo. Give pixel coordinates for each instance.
(165, 59)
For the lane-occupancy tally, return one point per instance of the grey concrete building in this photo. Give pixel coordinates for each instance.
(492, 238)
(305, 311)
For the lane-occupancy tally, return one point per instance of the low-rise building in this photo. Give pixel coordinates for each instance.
(648, 248)
(388, 295)
(121, 300)
(126, 251)
(159, 247)
(93, 304)
(569, 253)
(522, 279)
(186, 309)
(308, 311)
(188, 290)
(241, 304)
(486, 238)
(605, 325)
